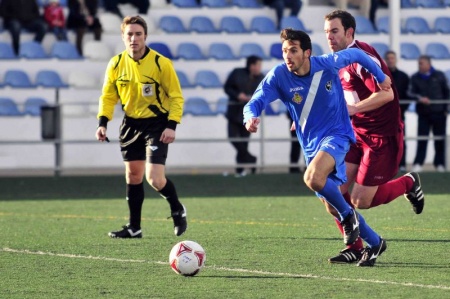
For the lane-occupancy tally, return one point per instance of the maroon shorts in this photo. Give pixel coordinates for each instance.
(378, 158)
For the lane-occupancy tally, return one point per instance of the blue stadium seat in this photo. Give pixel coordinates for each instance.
(247, 3)
(447, 3)
(383, 24)
(381, 48)
(232, 24)
(172, 24)
(64, 50)
(293, 22)
(18, 79)
(222, 106)
(316, 49)
(408, 4)
(275, 51)
(221, 51)
(202, 24)
(184, 81)
(364, 26)
(409, 51)
(161, 48)
(6, 51)
(248, 49)
(437, 51)
(186, 3)
(263, 24)
(430, 3)
(8, 107)
(197, 106)
(49, 78)
(417, 25)
(33, 106)
(189, 51)
(32, 50)
(442, 25)
(216, 3)
(207, 79)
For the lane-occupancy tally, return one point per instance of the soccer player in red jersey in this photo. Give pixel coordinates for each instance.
(372, 162)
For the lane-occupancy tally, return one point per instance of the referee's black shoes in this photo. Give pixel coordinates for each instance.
(127, 232)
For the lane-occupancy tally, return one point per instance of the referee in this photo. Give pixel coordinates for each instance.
(147, 86)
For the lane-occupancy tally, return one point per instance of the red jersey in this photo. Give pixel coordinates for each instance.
(359, 84)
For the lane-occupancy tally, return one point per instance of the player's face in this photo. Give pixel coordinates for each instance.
(391, 61)
(134, 37)
(338, 38)
(297, 60)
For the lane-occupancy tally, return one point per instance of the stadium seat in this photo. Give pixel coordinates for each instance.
(316, 49)
(172, 24)
(64, 50)
(447, 3)
(184, 81)
(8, 107)
(417, 25)
(222, 106)
(409, 51)
(221, 51)
(18, 79)
(6, 51)
(198, 107)
(186, 3)
(442, 25)
(293, 22)
(161, 48)
(231, 24)
(111, 22)
(248, 49)
(81, 79)
(207, 79)
(216, 3)
(263, 24)
(247, 3)
(32, 50)
(275, 51)
(364, 26)
(49, 78)
(97, 50)
(437, 51)
(381, 48)
(189, 51)
(202, 24)
(408, 4)
(33, 106)
(430, 3)
(383, 24)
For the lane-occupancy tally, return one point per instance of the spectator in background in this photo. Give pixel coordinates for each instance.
(401, 81)
(240, 85)
(22, 14)
(82, 17)
(367, 8)
(427, 86)
(56, 21)
(113, 6)
(279, 5)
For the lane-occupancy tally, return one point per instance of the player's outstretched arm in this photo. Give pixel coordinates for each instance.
(252, 124)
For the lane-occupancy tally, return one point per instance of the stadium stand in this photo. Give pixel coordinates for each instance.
(18, 79)
(162, 48)
(263, 24)
(381, 48)
(49, 78)
(8, 107)
(442, 25)
(295, 23)
(97, 50)
(189, 51)
(172, 24)
(409, 51)
(32, 50)
(197, 106)
(64, 50)
(184, 81)
(417, 25)
(6, 51)
(275, 51)
(437, 51)
(207, 79)
(186, 3)
(33, 106)
(364, 26)
(221, 51)
(216, 3)
(248, 49)
(231, 24)
(202, 24)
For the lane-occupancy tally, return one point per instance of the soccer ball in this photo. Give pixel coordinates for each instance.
(187, 258)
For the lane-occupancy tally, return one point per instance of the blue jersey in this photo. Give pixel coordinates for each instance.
(315, 101)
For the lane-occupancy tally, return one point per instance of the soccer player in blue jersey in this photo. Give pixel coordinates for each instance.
(311, 90)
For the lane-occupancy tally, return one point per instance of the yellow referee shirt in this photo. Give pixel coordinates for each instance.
(146, 88)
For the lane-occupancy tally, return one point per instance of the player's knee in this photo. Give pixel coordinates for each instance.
(156, 182)
(313, 180)
(360, 203)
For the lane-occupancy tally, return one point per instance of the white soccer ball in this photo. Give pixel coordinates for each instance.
(187, 258)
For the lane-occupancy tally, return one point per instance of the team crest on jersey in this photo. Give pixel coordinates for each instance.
(297, 98)
(147, 90)
(328, 86)
(346, 76)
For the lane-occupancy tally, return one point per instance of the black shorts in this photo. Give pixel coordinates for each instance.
(139, 139)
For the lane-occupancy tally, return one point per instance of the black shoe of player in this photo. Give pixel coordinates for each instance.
(127, 232)
(346, 256)
(351, 228)
(415, 195)
(370, 255)
(179, 221)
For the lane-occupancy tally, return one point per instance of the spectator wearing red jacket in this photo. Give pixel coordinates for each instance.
(54, 16)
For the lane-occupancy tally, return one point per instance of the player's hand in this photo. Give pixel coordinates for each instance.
(386, 84)
(252, 124)
(167, 136)
(351, 109)
(101, 134)
(424, 100)
(293, 126)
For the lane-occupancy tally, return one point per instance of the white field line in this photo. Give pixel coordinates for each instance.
(236, 270)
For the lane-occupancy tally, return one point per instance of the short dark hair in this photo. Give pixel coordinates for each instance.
(425, 57)
(298, 35)
(347, 20)
(251, 60)
(134, 20)
(389, 52)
